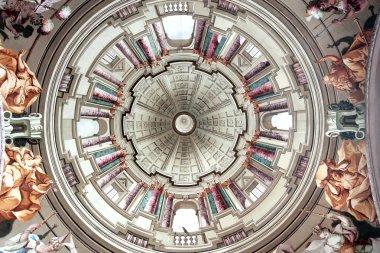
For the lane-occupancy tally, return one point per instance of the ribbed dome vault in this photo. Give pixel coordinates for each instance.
(161, 147)
(227, 121)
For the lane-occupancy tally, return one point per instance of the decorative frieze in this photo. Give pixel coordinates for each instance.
(142, 242)
(300, 74)
(64, 85)
(70, 176)
(234, 237)
(301, 167)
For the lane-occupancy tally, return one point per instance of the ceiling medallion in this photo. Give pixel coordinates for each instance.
(184, 123)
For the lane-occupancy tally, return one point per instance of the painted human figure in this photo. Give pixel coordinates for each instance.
(346, 182)
(27, 242)
(19, 86)
(342, 239)
(16, 13)
(316, 8)
(23, 184)
(349, 72)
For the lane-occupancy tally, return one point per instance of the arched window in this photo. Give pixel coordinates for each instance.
(178, 27)
(282, 121)
(87, 127)
(185, 216)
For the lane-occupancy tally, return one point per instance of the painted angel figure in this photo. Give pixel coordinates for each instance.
(27, 242)
(317, 8)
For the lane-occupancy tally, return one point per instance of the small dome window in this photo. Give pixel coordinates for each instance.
(185, 218)
(178, 27)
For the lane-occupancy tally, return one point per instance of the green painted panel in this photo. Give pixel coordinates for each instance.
(212, 203)
(145, 199)
(104, 152)
(226, 198)
(153, 45)
(261, 160)
(106, 88)
(100, 102)
(220, 46)
(207, 41)
(258, 83)
(140, 52)
(110, 165)
(159, 205)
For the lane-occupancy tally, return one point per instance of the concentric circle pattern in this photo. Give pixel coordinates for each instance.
(141, 123)
(184, 123)
(184, 159)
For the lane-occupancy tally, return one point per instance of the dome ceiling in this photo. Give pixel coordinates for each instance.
(236, 168)
(156, 135)
(225, 118)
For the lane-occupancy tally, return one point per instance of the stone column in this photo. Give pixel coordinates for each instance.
(201, 23)
(64, 86)
(103, 95)
(107, 178)
(261, 90)
(94, 113)
(97, 140)
(268, 180)
(219, 202)
(206, 42)
(299, 73)
(256, 70)
(128, 53)
(151, 205)
(266, 154)
(213, 45)
(275, 136)
(107, 76)
(205, 221)
(146, 48)
(132, 195)
(233, 49)
(238, 194)
(106, 159)
(157, 27)
(274, 106)
(168, 211)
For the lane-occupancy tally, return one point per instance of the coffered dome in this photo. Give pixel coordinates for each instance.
(184, 123)
(211, 108)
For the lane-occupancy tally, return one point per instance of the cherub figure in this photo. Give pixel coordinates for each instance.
(317, 8)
